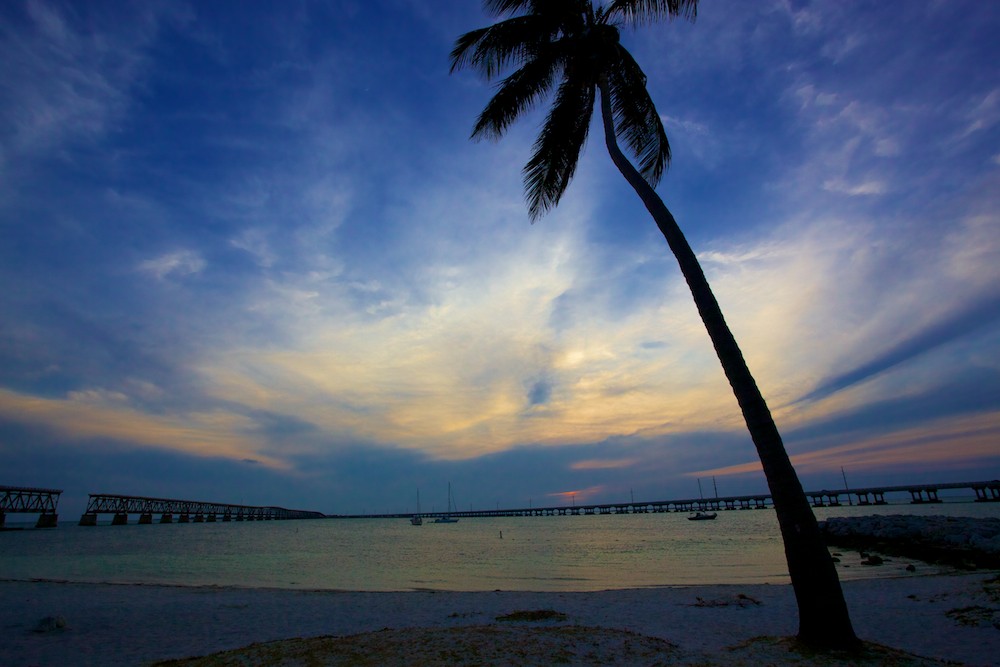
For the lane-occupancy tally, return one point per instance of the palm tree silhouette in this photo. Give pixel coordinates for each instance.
(570, 49)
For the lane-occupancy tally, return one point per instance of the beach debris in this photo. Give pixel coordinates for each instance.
(533, 616)
(738, 600)
(975, 615)
(992, 588)
(872, 559)
(50, 624)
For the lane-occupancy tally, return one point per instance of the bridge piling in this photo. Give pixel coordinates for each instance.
(917, 496)
(987, 493)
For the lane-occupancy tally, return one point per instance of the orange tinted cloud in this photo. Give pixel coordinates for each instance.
(603, 464)
(109, 416)
(947, 442)
(580, 495)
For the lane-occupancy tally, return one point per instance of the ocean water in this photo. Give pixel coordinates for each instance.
(568, 553)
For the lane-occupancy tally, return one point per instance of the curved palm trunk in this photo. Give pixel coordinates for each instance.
(823, 616)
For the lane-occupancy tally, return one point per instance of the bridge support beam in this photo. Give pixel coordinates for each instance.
(88, 519)
(983, 494)
(917, 496)
(166, 517)
(120, 519)
(146, 518)
(47, 520)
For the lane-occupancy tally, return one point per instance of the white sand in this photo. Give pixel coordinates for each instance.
(134, 625)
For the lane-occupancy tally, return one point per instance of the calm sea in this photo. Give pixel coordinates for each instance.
(569, 553)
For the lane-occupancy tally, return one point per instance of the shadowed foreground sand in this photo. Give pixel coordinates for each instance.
(940, 618)
(534, 646)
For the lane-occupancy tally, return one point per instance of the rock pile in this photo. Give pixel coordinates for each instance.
(961, 541)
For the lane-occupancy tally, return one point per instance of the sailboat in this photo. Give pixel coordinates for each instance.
(416, 519)
(704, 516)
(447, 518)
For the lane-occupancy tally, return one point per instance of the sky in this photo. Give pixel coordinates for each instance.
(249, 254)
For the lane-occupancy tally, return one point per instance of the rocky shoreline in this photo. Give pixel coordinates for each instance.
(962, 542)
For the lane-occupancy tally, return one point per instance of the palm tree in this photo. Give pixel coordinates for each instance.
(570, 49)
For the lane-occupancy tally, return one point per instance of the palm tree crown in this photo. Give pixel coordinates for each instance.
(573, 48)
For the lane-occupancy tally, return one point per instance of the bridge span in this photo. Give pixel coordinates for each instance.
(919, 494)
(185, 511)
(27, 500)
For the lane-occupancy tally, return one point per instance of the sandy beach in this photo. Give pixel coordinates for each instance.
(952, 618)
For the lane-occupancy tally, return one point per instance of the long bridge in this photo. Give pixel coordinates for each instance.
(186, 511)
(28, 500)
(919, 494)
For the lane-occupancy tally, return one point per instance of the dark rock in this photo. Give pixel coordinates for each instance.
(50, 624)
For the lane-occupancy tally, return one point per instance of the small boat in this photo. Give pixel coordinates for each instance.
(447, 517)
(416, 519)
(702, 516)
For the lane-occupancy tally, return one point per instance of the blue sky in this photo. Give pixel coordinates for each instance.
(249, 254)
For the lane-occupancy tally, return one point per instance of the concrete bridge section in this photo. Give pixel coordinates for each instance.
(26, 500)
(919, 493)
(181, 511)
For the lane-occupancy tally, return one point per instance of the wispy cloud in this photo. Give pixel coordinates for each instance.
(181, 263)
(603, 464)
(866, 188)
(100, 415)
(949, 443)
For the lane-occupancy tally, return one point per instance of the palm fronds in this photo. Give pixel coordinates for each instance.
(515, 95)
(637, 12)
(558, 146)
(491, 50)
(636, 120)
